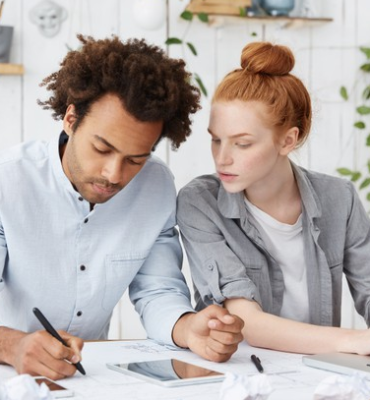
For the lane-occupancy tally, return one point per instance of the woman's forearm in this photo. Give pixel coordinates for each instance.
(269, 331)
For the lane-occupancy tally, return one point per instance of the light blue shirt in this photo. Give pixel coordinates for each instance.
(75, 264)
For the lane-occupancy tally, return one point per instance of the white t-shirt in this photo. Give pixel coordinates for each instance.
(284, 242)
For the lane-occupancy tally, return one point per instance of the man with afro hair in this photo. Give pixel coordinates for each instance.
(92, 213)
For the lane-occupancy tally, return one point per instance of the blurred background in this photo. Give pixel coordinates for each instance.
(330, 40)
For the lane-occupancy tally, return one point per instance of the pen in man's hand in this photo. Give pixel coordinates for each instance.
(257, 362)
(49, 328)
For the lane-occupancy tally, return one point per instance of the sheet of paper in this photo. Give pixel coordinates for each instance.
(289, 378)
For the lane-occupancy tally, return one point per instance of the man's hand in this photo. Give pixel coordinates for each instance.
(212, 333)
(39, 353)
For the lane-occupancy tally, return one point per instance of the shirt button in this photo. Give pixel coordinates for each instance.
(82, 268)
(80, 198)
(79, 313)
(86, 220)
(210, 267)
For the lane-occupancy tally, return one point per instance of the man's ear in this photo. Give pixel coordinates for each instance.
(289, 141)
(69, 119)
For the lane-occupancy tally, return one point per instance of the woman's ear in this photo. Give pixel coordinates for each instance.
(69, 119)
(289, 141)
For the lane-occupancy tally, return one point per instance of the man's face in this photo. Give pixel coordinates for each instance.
(107, 150)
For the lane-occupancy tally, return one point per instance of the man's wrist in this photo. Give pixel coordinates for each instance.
(8, 338)
(180, 332)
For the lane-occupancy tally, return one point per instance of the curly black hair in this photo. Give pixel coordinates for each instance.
(151, 86)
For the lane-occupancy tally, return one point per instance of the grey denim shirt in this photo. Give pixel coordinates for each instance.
(228, 258)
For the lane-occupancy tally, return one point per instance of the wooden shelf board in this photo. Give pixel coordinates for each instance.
(272, 18)
(217, 20)
(287, 18)
(11, 69)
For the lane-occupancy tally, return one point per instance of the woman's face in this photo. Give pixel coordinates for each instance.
(245, 148)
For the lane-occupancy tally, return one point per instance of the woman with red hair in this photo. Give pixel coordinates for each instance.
(265, 238)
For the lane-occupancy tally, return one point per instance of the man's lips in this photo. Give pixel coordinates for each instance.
(105, 189)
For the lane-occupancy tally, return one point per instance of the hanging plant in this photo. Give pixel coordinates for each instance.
(188, 16)
(361, 125)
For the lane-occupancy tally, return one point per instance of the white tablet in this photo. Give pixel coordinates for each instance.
(170, 372)
(344, 363)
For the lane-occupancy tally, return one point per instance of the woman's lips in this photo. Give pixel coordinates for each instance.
(226, 177)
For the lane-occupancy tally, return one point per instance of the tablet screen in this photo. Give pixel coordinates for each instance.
(170, 372)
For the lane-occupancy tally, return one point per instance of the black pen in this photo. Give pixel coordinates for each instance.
(257, 362)
(46, 324)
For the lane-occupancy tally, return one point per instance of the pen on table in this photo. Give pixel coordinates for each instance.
(49, 328)
(257, 362)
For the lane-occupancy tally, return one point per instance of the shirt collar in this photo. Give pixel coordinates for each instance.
(56, 161)
(230, 204)
(310, 200)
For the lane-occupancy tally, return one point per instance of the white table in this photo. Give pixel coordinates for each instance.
(289, 378)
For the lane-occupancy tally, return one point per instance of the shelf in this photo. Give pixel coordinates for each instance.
(11, 69)
(284, 21)
(286, 18)
(220, 11)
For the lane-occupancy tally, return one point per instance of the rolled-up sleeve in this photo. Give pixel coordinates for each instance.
(217, 272)
(159, 291)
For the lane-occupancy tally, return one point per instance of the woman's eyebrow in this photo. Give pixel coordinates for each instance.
(232, 136)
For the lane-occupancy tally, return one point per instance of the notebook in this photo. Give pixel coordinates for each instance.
(343, 363)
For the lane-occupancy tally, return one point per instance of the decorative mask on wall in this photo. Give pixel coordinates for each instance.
(48, 16)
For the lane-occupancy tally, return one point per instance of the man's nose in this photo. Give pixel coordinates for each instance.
(113, 171)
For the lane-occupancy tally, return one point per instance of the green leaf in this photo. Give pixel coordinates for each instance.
(368, 140)
(187, 15)
(192, 48)
(365, 183)
(366, 51)
(345, 171)
(173, 40)
(203, 17)
(343, 92)
(200, 84)
(356, 176)
(365, 67)
(242, 12)
(368, 197)
(360, 125)
(363, 110)
(253, 34)
(366, 93)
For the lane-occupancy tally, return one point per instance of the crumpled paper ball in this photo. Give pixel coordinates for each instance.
(24, 387)
(343, 387)
(243, 387)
